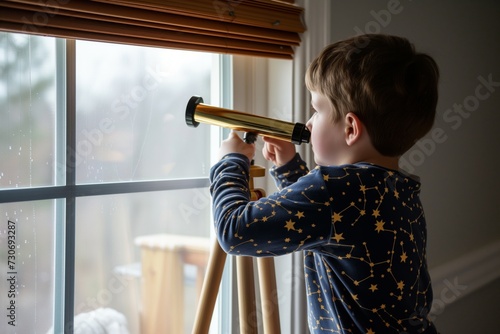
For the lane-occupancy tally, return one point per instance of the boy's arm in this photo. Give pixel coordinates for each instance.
(295, 218)
(288, 165)
(289, 173)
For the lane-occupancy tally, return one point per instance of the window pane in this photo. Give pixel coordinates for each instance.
(131, 105)
(26, 259)
(27, 106)
(146, 252)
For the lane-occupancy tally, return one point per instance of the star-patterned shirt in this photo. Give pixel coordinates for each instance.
(360, 227)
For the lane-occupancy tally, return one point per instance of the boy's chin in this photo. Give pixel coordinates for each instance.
(320, 162)
(325, 162)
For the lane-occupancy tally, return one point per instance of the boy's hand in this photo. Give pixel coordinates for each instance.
(279, 152)
(234, 144)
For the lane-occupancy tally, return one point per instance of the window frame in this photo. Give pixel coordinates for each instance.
(65, 191)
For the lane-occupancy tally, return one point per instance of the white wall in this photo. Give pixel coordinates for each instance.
(458, 167)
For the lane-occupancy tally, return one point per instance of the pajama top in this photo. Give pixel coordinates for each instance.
(362, 231)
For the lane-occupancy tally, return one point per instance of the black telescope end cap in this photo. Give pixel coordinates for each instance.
(300, 134)
(191, 108)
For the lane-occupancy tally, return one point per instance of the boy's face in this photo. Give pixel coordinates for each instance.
(327, 137)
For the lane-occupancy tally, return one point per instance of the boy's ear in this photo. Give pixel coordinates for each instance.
(353, 128)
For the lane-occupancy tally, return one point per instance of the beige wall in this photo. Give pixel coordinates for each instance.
(458, 164)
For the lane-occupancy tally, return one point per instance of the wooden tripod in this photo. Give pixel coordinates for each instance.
(245, 281)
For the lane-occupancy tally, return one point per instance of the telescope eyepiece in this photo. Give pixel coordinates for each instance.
(300, 134)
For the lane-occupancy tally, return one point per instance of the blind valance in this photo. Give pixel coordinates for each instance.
(268, 28)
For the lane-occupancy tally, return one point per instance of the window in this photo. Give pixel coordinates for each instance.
(103, 186)
(27, 101)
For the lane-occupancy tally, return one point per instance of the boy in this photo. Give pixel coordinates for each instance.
(357, 218)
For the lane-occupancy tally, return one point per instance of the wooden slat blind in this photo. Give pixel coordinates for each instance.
(268, 28)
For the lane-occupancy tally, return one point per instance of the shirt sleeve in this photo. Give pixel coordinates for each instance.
(295, 218)
(289, 173)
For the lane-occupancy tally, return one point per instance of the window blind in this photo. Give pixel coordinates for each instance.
(268, 28)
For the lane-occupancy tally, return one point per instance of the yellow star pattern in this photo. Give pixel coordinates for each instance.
(362, 232)
(290, 225)
(336, 217)
(380, 226)
(404, 257)
(338, 237)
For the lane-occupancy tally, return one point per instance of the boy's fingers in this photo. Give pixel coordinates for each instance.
(270, 148)
(270, 140)
(233, 135)
(275, 141)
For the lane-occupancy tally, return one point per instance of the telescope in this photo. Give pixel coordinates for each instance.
(197, 112)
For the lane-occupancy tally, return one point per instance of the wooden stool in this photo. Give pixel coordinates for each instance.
(163, 257)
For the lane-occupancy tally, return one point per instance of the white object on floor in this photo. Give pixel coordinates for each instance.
(99, 321)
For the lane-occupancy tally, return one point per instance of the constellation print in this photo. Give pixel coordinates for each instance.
(362, 231)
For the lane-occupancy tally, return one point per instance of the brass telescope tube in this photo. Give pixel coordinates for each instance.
(198, 112)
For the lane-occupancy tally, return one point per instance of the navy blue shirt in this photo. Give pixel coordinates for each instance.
(360, 227)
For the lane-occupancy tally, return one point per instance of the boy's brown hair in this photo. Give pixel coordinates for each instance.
(385, 82)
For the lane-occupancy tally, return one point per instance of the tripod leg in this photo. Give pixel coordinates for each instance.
(269, 295)
(246, 295)
(209, 290)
